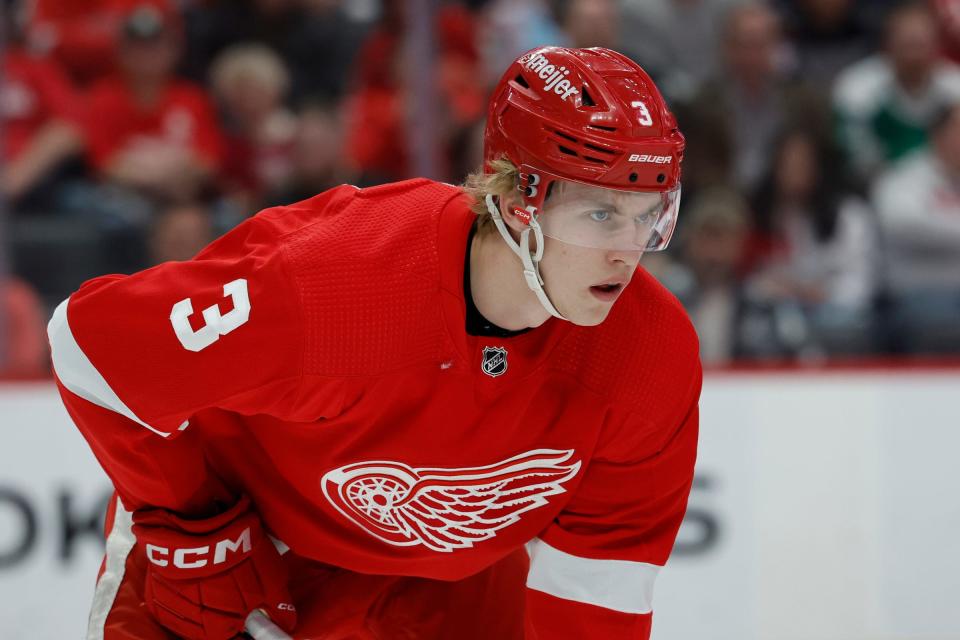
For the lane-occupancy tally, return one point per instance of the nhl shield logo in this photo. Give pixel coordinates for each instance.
(494, 361)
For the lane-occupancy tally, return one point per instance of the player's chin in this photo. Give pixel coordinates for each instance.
(589, 315)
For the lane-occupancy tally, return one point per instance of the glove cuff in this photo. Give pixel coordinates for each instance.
(201, 526)
(201, 548)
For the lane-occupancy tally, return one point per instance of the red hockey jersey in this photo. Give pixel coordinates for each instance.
(315, 358)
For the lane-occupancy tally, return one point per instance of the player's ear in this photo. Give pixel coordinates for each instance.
(507, 204)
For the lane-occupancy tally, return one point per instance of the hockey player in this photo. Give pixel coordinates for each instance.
(409, 411)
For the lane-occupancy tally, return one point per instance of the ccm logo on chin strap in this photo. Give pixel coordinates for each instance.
(197, 557)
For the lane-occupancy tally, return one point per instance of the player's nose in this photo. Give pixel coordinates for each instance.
(630, 258)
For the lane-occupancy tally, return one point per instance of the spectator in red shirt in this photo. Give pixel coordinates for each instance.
(39, 115)
(80, 34)
(23, 340)
(146, 129)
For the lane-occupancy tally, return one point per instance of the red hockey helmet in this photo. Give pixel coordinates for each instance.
(591, 116)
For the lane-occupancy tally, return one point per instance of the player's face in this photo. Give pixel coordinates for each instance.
(584, 282)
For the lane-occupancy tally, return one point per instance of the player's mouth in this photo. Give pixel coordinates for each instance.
(607, 291)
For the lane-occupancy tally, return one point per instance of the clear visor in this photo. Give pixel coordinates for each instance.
(602, 218)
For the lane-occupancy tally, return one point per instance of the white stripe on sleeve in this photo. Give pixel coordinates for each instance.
(119, 544)
(78, 374)
(620, 585)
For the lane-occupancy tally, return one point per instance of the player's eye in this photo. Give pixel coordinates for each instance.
(647, 218)
(599, 216)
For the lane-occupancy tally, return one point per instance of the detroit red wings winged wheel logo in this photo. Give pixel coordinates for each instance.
(446, 509)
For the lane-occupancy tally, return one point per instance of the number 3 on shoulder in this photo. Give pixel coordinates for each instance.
(215, 325)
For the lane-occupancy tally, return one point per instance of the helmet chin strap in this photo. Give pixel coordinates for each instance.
(530, 260)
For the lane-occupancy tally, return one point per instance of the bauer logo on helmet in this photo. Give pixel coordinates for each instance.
(648, 159)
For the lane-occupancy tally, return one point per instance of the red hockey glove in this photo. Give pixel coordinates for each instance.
(205, 576)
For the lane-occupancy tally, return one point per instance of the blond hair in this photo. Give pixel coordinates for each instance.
(502, 182)
(250, 62)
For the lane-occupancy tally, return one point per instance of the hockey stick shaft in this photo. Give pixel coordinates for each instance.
(259, 626)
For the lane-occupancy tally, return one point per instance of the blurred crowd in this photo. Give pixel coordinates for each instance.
(821, 207)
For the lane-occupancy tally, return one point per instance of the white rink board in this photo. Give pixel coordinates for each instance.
(826, 508)
(836, 497)
(44, 461)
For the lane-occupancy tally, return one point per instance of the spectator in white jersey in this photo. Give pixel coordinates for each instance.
(886, 102)
(918, 203)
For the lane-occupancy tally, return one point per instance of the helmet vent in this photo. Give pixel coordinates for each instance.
(565, 135)
(594, 147)
(585, 98)
(601, 127)
(520, 80)
(568, 151)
